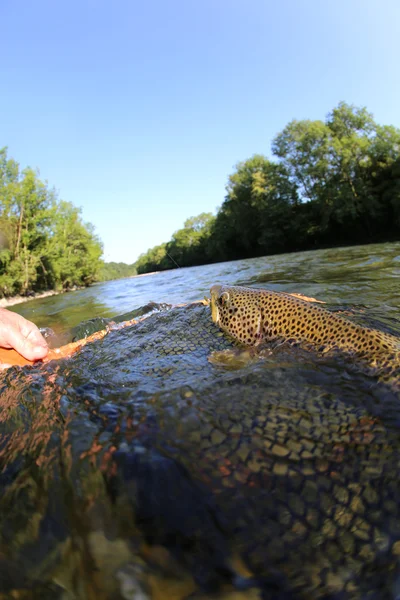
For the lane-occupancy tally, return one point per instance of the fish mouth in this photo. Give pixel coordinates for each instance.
(215, 292)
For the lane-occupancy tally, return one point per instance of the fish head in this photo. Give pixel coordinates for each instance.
(236, 311)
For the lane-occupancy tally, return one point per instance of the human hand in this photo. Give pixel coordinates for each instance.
(22, 335)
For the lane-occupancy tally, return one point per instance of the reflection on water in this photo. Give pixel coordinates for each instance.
(140, 469)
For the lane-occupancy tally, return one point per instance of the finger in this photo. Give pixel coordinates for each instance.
(28, 341)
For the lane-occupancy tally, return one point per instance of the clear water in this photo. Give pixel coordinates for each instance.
(139, 469)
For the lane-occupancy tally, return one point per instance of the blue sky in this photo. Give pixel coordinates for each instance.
(138, 111)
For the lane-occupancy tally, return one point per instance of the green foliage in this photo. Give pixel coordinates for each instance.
(74, 248)
(254, 217)
(188, 247)
(114, 270)
(334, 166)
(43, 243)
(334, 182)
(154, 259)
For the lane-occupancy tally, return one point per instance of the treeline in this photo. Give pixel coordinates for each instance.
(332, 183)
(114, 270)
(44, 244)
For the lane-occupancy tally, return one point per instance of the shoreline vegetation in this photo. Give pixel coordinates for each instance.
(331, 183)
(12, 300)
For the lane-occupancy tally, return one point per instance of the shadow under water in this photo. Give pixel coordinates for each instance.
(139, 469)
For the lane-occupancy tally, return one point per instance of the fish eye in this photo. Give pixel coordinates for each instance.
(223, 299)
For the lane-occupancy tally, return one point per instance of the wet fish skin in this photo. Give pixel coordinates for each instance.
(253, 316)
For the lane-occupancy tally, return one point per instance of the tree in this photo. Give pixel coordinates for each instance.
(74, 248)
(44, 244)
(255, 216)
(189, 245)
(155, 259)
(114, 270)
(331, 165)
(26, 211)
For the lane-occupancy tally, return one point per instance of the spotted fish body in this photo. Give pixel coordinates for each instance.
(252, 316)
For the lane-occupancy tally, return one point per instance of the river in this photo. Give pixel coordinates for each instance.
(144, 468)
(357, 276)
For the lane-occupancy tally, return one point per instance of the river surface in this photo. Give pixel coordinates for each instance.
(361, 275)
(145, 467)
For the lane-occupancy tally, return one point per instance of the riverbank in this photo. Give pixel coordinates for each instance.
(6, 302)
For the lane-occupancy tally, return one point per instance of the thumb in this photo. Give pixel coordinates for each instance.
(29, 342)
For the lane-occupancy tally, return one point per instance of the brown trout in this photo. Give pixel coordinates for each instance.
(253, 316)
